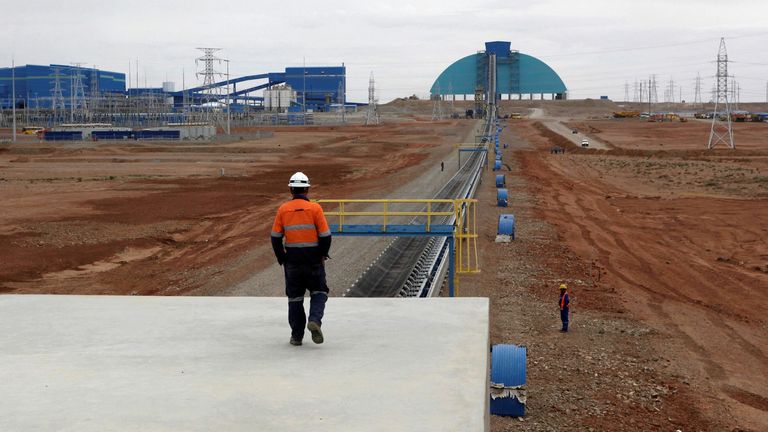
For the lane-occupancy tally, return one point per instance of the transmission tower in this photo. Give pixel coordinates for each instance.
(437, 107)
(94, 89)
(212, 93)
(669, 92)
(342, 110)
(697, 91)
(721, 131)
(371, 114)
(79, 107)
(626, 91)
(57, 96)
(635, 92)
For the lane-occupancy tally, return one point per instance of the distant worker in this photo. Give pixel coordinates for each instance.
(307, 242)
(442, 166)
(565, 306)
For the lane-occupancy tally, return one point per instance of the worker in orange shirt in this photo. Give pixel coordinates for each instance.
(301, 240)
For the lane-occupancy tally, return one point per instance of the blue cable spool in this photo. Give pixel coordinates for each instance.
(508, 393)
(502, 197)
(500, 180)
(507, 225)
(497, 165)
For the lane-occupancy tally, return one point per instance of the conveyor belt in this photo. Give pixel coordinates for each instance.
(406, 264)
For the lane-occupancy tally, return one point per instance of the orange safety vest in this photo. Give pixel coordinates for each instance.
(562, 300)
(302, 222)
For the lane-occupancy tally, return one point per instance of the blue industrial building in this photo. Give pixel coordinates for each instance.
(316, 87)
(35, 85)
(322, 86)
(516, 74)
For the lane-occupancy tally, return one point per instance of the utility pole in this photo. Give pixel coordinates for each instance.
(78, 94)
(341, 100)
(371, 116)
(209, 74)
(13, 92)
(57, 97)
(304, 87)
(634, 92)
(721, 131)
(228, 103)
(650, 109)
(697, 91)
(184, 113)
(626, 91)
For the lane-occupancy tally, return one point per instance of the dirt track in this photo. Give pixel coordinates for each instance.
(692, 266)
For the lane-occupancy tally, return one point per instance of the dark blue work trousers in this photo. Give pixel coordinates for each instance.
(300, 278)
(564, 318)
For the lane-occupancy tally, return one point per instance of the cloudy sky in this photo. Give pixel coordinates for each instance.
(595, 46)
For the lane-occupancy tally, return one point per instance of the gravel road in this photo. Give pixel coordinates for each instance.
(555, 124)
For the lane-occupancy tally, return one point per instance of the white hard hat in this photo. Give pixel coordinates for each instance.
(299, 180)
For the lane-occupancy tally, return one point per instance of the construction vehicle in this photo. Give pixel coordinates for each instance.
(626, 114)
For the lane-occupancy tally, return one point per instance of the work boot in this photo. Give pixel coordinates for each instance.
(295, 342)
(317, 334)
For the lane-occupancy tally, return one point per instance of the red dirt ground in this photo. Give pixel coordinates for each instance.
(688, 259)
(691, 135)
(160, 219)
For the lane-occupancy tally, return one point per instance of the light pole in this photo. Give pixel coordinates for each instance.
(228, 116)
(13, 92)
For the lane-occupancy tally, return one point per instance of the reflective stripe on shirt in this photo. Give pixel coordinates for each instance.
(299, 227)
(300, 245)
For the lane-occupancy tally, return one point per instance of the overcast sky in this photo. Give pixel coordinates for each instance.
(595, 46)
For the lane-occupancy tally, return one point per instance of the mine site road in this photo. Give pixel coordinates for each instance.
(555, 124)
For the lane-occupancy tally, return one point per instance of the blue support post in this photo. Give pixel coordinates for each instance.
(451, 267)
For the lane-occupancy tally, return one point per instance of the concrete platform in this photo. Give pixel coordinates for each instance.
(102, 363)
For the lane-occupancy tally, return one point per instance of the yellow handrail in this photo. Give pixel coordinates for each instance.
(464, 212)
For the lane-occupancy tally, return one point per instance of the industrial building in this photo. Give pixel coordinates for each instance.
(60, 86)
(512, 74)
(316, 89)
(56, 94)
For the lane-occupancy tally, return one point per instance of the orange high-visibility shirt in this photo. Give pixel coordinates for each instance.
(301, 222)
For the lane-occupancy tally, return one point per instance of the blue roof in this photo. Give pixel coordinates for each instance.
(515, 74)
